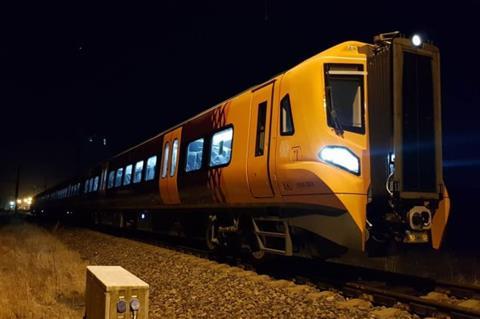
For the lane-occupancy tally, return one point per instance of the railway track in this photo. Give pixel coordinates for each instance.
(414, 303)
(418, 295)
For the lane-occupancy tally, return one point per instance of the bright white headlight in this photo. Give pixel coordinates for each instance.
(416, 40)
(342, 157)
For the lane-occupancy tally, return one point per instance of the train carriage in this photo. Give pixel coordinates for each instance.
(340, 153)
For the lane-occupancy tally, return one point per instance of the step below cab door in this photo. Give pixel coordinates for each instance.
(169, 168)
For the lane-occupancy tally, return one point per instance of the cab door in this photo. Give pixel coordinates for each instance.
(259, 142)
(169, 168)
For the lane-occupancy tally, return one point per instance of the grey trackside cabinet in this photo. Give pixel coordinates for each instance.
(114, 293)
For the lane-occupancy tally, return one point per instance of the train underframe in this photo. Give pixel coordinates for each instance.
(257, 232)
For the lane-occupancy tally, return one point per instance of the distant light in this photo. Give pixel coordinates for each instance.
(19, 201)
(416, 40)
(142, 215)
(12, 203)
(104, 141)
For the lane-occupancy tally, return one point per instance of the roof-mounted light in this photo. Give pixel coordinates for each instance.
(416, 40)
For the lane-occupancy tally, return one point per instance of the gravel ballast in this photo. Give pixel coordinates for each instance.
(186, 286)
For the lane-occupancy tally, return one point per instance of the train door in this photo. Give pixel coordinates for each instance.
(259, 142)
(169, 168)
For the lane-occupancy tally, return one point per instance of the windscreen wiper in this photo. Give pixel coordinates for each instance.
(333, 114)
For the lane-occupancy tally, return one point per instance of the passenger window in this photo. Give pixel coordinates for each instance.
(127, 179)
(111, 179)
(194, 155)
(151, 164)
(118, 178)
(286, 119)
(173, 166)
(137, 178)
(85, 190)
(344, 97)
(261, 118)
(95, 183)
(165, 160)
(221, 149)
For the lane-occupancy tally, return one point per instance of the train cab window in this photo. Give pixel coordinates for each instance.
(111, 179)
(118, 177)
(344, 85)
(286, 119)
(127, 179)
(137, 177)
(261, 118)
(165, 160)
(173, 166)
(151, 164)
(95, 183)
(194, 155)
(221, 148)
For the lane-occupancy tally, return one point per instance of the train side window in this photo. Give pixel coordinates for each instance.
(137, 178)
(344, 97)
(95, 183)
(261, 118)
(118, 177)
(127, 179)
(221, 148)
(85, 189)
(173, 166)
(286, 119)
(151, 164)
(194, 155)
(165, 160)
(111, 179)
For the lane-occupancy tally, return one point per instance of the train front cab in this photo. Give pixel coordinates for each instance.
(328, 195)
(345, 157)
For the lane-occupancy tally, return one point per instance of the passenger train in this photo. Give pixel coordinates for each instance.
(341, 153)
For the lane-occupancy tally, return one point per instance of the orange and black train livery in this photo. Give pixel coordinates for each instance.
(339, 153)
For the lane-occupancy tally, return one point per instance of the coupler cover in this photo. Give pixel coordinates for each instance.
(114, 293)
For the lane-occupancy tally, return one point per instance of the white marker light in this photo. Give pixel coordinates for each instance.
(341, 157)
(416, 40)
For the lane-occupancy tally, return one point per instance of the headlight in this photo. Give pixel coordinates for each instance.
(341, 157)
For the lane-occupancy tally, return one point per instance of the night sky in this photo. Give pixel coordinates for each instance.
(78, 72)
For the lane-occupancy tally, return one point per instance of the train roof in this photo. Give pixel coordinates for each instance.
(344, 49)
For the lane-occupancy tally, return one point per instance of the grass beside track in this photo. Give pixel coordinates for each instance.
(39, 276)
